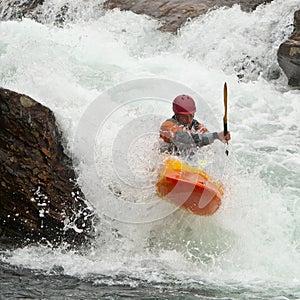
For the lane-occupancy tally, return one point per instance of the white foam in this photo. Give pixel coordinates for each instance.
(255, 235)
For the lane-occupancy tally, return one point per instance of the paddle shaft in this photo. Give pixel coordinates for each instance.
(225, 114)
(225, 107)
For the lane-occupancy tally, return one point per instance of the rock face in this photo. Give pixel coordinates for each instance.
(16, 9)
(174, 13)
(289, 54)
(39, 197)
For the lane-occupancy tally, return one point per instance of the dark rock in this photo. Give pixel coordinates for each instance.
(17, 9)
(174, 13)
(289, 54)
(39, 197)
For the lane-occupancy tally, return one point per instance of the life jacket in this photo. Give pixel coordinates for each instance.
(178, 137)
(171, 126)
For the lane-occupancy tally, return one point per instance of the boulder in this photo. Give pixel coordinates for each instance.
(16, 9)
(40, 199)
(174, 13)
(289, 54)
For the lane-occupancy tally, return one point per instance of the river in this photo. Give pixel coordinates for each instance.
(110, 78)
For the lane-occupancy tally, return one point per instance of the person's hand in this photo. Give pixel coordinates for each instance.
(222, 138)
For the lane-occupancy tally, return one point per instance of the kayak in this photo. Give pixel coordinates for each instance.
(188, 188)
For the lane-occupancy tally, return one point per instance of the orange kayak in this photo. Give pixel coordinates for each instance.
(189, 188)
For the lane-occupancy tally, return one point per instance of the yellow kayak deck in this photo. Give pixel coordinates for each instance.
(189, 188)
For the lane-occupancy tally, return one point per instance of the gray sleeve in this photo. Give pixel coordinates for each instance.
(203, 139)
(184, 140)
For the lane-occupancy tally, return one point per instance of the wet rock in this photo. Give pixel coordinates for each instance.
(174, 13)
(289, 54)
(17, 9)
(39, 197)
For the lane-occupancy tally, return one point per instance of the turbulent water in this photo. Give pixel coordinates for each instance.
(110, 78)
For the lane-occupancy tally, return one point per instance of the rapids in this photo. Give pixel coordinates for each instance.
(110, 78)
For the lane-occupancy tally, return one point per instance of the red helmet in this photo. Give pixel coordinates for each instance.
(184, 105)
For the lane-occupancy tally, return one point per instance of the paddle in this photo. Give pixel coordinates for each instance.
(225, 114)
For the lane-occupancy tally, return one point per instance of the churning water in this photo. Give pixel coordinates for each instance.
(110, 78)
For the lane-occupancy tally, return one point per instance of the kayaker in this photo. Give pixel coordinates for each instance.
(182, 132)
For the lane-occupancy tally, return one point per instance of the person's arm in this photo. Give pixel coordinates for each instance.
(172, 133)
(186, 140)
(203, 139)
(168, 131)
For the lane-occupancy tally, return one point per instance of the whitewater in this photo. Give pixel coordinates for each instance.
(110, 78)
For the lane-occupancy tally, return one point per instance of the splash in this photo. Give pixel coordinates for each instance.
(255, 236)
